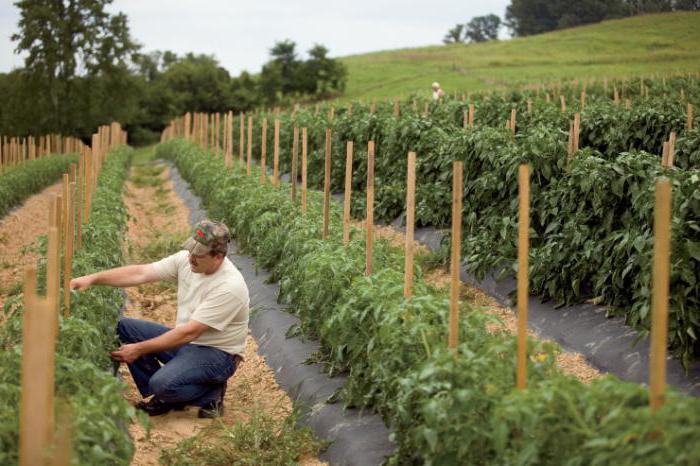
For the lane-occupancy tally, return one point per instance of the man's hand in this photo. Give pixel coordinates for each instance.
(81, 283)
(127, 353)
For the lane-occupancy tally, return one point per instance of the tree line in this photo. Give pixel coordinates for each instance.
(528, 17)
(84, 69)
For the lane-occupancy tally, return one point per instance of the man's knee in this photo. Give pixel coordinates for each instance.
(125, 329)
(160, 385)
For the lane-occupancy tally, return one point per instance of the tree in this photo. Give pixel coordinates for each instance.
(483, 28)
(322, 76)
(526, 17)
(65, 39)
(454, 35)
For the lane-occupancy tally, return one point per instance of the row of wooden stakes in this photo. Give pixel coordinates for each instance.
(661, 247)
(68, 212)
(14, 151)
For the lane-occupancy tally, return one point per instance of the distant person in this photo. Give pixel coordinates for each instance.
(437, 92)
(190, 364)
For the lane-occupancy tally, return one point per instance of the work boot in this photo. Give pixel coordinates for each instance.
(156, 407)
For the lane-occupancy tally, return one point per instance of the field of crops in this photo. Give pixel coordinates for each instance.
(591, 229)
(595, 151)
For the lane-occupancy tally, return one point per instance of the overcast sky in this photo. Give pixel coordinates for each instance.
(239, 34)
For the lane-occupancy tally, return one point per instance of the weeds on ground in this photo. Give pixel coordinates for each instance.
(262, 439)
(163, 244)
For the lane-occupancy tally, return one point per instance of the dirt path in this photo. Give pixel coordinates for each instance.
(158, 224)
(571, 363)
(19, 231)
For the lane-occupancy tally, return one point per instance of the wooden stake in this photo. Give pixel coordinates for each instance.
(369, 221)
(664, 155)
(410, 224)
(327, 186)
(523, 249)
(471, 115)
(36, 410)
(583, 99)
(455, 283)
(249, 166)
(513, 113)
(241, 138)
(276, 156)
(689, 119)
(263, 153)
(563, 103)
(303, 170)
(295, 149)
(577, 131)
(80, 199)
(348, 193)
(660, 283)
(570, 146)
(671, 148)
(529, 105)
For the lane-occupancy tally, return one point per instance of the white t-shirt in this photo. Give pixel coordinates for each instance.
(219, 300)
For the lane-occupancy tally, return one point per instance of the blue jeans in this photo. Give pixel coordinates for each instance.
(190, 374)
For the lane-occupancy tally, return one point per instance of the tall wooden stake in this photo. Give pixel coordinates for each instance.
(523, 249)
(410, 223)
(348, 193)
(369, 222)
(455, 282)
(295, 150)
(36, 410)
(327, 185)
(276, 156)
(689, 119)
(249, 165)
(660, 283)
(241, 138)
(263, 153)
(303, 169)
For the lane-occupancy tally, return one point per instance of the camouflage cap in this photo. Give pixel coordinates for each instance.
(208, 236)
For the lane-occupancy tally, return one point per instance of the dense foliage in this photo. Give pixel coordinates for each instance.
(443, 408)
(591, 216)
(83, 368)
(83, 69)
(18, 183)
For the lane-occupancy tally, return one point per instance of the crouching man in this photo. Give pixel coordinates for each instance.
(190, 364)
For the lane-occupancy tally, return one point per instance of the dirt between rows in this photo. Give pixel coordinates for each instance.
(252, 386)
(571, 363)
(19, 232)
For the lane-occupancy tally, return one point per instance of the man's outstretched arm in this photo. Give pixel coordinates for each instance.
(129, 275)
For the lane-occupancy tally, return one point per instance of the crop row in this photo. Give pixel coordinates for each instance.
(591, 216)
(21, 182)
(442, 408)
(83, 370)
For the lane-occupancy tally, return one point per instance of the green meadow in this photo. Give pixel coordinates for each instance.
(643, 45)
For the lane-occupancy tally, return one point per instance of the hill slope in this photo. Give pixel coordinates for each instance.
(662, 43)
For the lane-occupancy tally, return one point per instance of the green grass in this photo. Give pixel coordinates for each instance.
(642, 45)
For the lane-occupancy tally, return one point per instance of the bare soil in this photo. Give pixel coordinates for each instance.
(19, 232)
(253, 385)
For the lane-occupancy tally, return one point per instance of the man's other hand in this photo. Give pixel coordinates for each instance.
(126, 353)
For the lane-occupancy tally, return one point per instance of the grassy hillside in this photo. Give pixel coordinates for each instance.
(662, 43)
